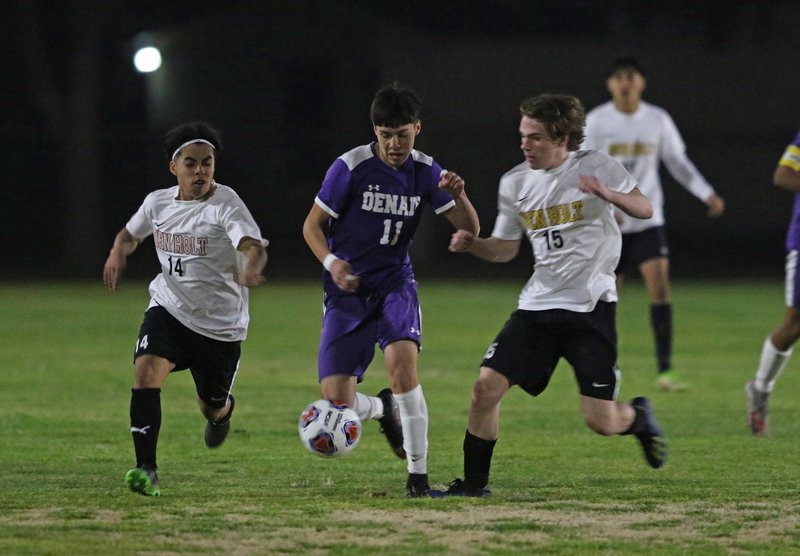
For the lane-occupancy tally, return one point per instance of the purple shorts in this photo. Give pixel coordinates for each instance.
(353, 324)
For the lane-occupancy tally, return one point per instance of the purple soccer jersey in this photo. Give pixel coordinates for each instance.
(375, 211)
(791, 159)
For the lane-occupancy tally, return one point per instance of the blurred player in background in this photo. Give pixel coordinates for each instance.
(778, 345)
(640, 135)
(564, 202)
(211, 251)
(360, 227)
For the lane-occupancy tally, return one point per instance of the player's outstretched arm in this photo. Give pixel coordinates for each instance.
(124, 245)
(492, 249)
(463, 216)
(633, 203)
(252, 275)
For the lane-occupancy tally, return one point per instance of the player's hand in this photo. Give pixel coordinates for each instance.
(461, 241)
(251, 279)
(590, 184)
(343, 277)
(452, 183)
(113, 269)
(716, 206)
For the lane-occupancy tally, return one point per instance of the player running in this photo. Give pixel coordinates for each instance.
(360, 227)
(211, 251)
(563, 200)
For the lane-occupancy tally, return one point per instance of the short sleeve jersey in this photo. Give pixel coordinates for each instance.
(196, 245)
(791, 159)
(575, 238)
(374, 212)
(640, 141)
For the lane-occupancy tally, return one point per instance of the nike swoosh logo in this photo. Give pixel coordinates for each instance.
(142, 430)
(598, 385)
(158, 224)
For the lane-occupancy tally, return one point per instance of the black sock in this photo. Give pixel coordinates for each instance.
(661, 320)
(145, 424)
(639, 422)
(477, 460)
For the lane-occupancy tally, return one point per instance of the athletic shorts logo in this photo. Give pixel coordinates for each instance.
(598, 385)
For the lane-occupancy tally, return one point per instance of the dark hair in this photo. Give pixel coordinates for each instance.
(177, 136)
(395, 105)
(561, 115)
(626, 63)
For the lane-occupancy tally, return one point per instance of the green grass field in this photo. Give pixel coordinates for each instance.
(65, 376)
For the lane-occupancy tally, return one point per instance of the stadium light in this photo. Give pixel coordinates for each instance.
(147, 59)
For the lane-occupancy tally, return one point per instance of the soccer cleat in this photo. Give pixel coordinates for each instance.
(216, 433)
(391, 426)
(417, 486)
(652, 440)
(143, 480)
(669, 381)
(756, 408)
(461, 488)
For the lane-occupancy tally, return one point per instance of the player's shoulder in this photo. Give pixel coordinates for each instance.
(517, 172)
(601, 110)
(420, 157)
(653, 110)
(224, 192)
(161, 195)
(357, 156)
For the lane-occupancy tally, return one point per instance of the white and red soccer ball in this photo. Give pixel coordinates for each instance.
(329, 429)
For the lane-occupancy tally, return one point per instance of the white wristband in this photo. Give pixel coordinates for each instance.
(328, 261)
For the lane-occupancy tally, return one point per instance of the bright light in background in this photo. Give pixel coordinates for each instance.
(147, 59)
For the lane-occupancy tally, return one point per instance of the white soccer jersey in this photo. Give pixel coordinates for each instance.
(639, 141)
(575, 238)
(196, 245)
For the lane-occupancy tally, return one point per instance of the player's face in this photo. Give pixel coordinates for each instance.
(194, 169)
(395, 143)
(541, 152)
(626, 87)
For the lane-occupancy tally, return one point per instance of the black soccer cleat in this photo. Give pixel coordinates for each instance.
(391, 425)
(417, 486)
(216, 433)
(462, 488)
(652, 439)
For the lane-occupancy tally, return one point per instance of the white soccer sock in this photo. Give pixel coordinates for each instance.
(368, 407)
(414, 416)
(770, 366)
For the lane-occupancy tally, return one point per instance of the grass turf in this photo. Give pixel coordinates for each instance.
(65, 376)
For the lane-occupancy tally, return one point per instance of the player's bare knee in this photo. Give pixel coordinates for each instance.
(483, 395)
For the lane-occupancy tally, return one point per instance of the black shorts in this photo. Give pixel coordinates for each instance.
(213, 363)
(640, 247)
(531, 343)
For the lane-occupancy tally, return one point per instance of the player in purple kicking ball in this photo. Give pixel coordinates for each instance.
(360, 227)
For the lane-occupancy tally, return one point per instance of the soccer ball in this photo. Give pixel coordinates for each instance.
(329, 429)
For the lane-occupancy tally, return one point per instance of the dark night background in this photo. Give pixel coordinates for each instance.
(289, 86)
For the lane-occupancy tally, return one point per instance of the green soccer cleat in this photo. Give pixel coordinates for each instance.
(143, 480)
(669, 381)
